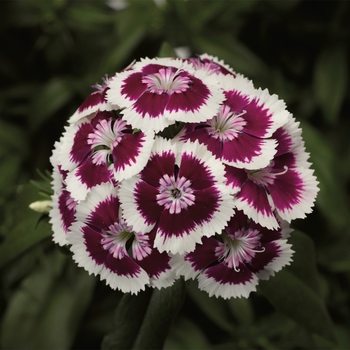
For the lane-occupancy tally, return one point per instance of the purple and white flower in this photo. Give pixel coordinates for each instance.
(211, 64)
(102, 150)
(286, 186)
(95, 102)
(104, 244)
(62, 213)
(240, 134)
(180, 167)
(231, 264)
(182, 192)
(157, 93)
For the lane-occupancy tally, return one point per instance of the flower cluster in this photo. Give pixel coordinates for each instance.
(180, 167)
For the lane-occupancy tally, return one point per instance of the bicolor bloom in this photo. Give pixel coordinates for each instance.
(180, 167)
(231, 264)
(211, 64)
(286, 186)
(157, 93)
(62, 213)
(95, 102)
(181, 191)
(240, 134)
(102, 150)
(104, 244)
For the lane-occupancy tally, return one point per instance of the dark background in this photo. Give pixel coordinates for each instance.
(52, 51)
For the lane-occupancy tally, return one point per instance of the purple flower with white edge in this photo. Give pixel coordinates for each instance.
(181, 191)
(211, 64)
(104, 244)
(231, 264)
(240, 134)
(62, 213)
(95, 102)
(286, 186)
(102, 150)
(158, 92)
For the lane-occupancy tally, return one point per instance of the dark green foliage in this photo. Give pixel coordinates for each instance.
(52, 51)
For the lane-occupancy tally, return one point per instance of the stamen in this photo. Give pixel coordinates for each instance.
(104, 138)
(265, 176)
(167, 81)
(239, 248)
(226, 125)
(175, 195)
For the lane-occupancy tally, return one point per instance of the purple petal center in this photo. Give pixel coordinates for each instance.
(116, 238)
(239, 247)
(175, 194)
(167, 81)
(226, 125)
(105, 137)
(267, 175)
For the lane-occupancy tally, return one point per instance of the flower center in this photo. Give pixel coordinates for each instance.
(119, 236)
(226, 125)
(266, 176)
(239, 248)
(205, 64)
(99, 87)
(106, 136)
(175, 195)
(167, 81)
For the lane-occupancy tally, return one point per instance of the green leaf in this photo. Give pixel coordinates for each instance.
(22, 229)
(186, 335)
(242, 309)
(237, 55)
(161, 312)
(304, 260)
(147, 315)
(166, 50)
(330, 81)
(45, 311)
(290, 296)
(215, 308)
(128, 318)
(53, 96)
(331, 199)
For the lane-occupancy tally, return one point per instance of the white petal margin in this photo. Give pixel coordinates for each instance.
(76, 187)
(183, 267)
(59, 234)
(127, 284)
(261, 160)
(227, 290)
(67, 141)
(126, 192)
(57, 181)
(97, 195)
(204, 156)
(307, 197)
(207, 109)
(275, 106)
(225, 210)
(90, 111)
(218, 61)
(284, 259)
(165, 278)
(267, 220)
(141, 160)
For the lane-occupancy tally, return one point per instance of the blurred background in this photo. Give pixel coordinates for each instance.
(52, 51)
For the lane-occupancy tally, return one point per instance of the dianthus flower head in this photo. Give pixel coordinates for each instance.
(182, 192)
(180, 167)
(231, 263)
(104, 244)
(157, 93)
